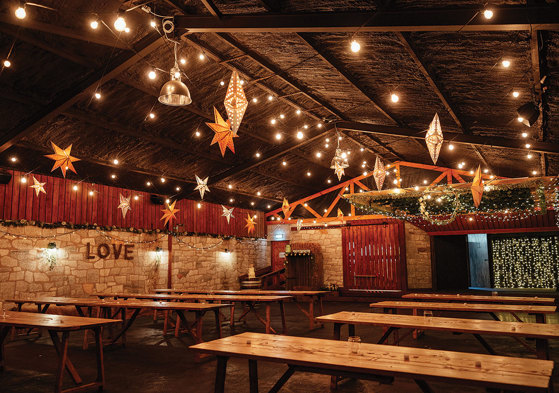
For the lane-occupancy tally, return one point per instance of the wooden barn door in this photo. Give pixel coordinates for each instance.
(374, 256)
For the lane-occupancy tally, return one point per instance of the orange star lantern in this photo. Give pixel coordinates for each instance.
(285, 208)
(340, 214)
(62, 159)
(434, 138)
(250, 224)
(477, 187)
(235, 102)
(223, 134)
(169, 213)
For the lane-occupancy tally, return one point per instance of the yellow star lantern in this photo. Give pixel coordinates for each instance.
(434, 138)
(379, 173)
(62, 159)
(169, 213)
(340, 214)
(338, 170)
(250, 224)
(223, 134)
(38, 186)
(477, 187)
(235, 102)
(285, 208)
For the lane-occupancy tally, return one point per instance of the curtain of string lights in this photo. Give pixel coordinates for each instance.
(525, 261)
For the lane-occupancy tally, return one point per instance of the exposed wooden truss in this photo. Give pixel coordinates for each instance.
(504, 19)
(338, 190)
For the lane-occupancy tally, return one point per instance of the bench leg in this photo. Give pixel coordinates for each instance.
(253, 375)
(217, 323)
(99, 351)
(425, 388)
(221, 371)
(283, 379)
(268, 318)
(485, 344)
(3, 334)
(282, 312)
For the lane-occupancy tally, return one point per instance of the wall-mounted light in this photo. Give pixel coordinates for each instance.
(51, 254)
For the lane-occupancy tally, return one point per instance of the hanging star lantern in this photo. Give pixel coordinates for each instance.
(434, 138)
(235, 102)
(223, 133)
(124, 205)
(38, 186)
(477, 187)
(379, 173)
(62, 159)
(202, 186)
(338, 170)
(285, 208)
(169, 213)
(250, 224)
(299, 224)
(227, 213)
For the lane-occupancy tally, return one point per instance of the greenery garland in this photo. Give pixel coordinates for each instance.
(447, 195)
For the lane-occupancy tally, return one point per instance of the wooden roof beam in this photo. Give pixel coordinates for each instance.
(439, 20)
(538, 92)
(478, 140)
(66, 99)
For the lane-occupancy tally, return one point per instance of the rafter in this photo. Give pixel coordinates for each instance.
(442, 20)
(87, 86)
(212, 8)
(538, 91)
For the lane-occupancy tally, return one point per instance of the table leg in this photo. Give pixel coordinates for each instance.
(3, 334)
(268, 318)
(311, 314)
(99, 351)
(126, 326)
(63, 353)
(320, 306)
(542, 348)
(217, 322)
(337, 336)
(232, 315)
(282, 312)
(62, 361)
(221, 371)
(199, 319)
(177, 326)
(540, 318)
(165, 321)
(253, 375)
(351, 329)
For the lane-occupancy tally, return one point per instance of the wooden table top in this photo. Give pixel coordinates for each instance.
(481, 298)
(526, 308)
(52, 322)
(505, 372)
(520, 329)
(231, 298)
(92, 302)
(244, 292)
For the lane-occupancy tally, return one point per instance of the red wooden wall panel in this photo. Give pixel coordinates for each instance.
(62, 203)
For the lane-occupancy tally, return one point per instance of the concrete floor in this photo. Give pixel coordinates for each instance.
(150, 363)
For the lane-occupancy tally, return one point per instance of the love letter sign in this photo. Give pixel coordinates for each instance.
(104, 251)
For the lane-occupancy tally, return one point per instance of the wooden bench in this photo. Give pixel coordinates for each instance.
(477, 327)
(445, 297)
(63, 325)
(377, 362)
(539, 311)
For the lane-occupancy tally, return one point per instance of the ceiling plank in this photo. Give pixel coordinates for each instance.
(439, 20)
(94, 38)
(212, 8)
(66, 99)
(478, 140)
(538, 92)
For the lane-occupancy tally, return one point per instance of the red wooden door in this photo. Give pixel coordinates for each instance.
(277, 249)
(374, 256)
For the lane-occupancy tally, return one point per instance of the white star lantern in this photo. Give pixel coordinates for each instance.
(338, 170)
(227, 213)
(379, 173)
(38, 186)
(299, 224)
(235, 102)
(434, 138)
(202, 186)
(124, 205)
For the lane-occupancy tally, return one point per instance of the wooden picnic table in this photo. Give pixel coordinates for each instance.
(250, 301)
(491, 309)
(446, 297)
(477, 327)
(59, 328)
(122, 306)
(377, 362)
(310, 297)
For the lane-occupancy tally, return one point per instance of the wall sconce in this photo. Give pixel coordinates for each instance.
(227, 251)
(158, 254)
(51, 254)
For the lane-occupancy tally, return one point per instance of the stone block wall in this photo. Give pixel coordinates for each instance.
(418, 257)
(25, 270)
(330, 241)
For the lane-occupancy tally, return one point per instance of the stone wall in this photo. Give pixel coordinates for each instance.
(418, 257)
(330, 241)
(25, 270)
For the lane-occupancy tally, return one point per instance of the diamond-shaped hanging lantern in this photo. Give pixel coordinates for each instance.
(434, 138)
(235, 102)
(379, 173)
(339, 158)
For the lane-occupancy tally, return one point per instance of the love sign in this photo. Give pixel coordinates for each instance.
(105, 250)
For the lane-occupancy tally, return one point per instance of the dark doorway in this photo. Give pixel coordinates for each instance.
(451, 262)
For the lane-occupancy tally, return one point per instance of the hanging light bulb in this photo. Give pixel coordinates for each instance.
(152, 74)
(7, 63)
(355, 46)
(300, 135)
(488, 14)
(174, 92)
(120, 23)
(20, 11)
(395, 97)
(94, 24)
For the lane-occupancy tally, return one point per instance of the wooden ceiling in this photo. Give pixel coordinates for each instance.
(445, 61)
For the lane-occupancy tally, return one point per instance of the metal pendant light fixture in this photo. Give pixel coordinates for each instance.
(174, 92)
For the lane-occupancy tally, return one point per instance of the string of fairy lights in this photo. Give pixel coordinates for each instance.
(120, 25)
